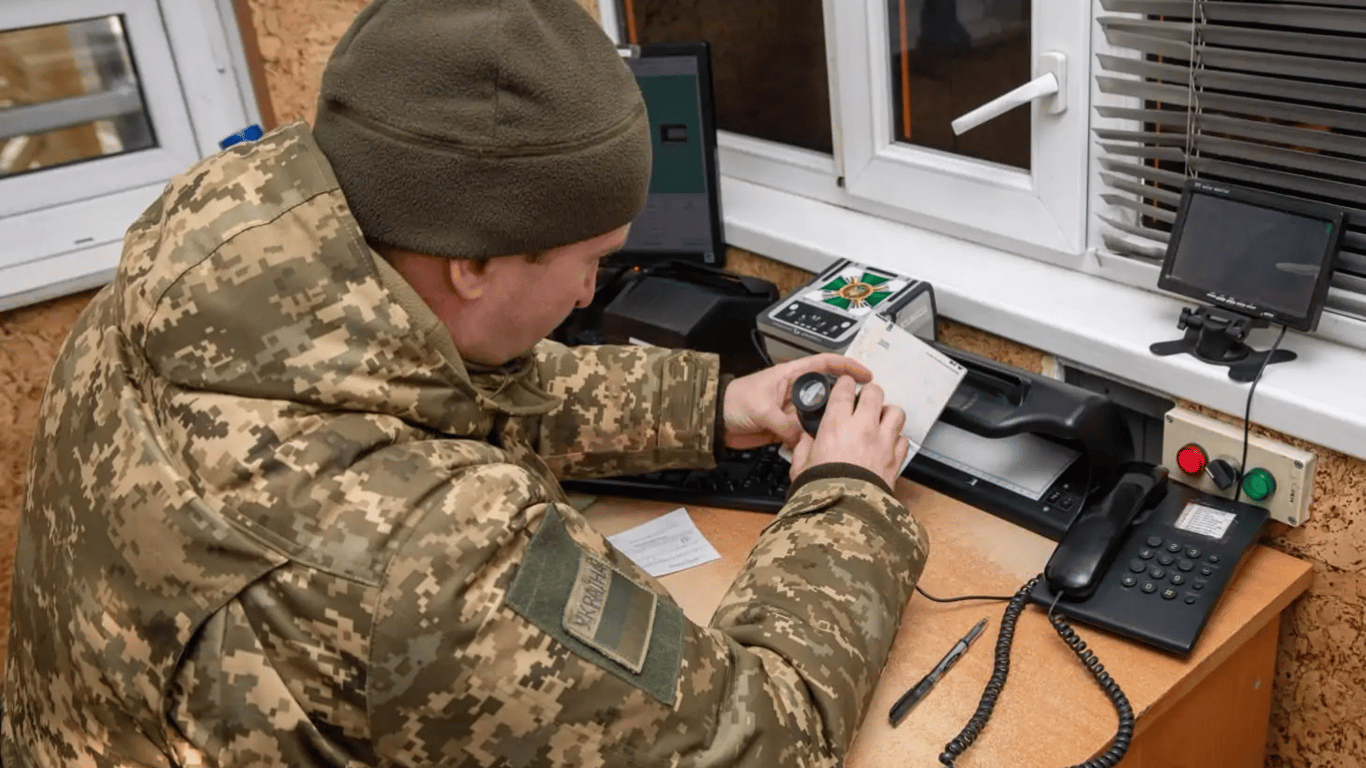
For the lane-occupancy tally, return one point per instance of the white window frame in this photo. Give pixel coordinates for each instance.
(64, 226)
(1038, 213)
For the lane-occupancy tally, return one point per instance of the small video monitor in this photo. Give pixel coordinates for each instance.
(1259, 254)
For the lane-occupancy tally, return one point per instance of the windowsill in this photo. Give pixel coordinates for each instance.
(1095, 322)
(49, 278)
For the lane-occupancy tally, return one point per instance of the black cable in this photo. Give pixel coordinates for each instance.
(1124, 733)
(758, 343)
(928, 596)
(958, 744)
(1247, 414)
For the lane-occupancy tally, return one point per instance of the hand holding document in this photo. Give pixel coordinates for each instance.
(913, 376)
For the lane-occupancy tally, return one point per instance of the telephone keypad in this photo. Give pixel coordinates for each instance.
(1173, 555)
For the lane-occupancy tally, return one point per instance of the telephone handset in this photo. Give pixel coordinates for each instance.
(1084, 554)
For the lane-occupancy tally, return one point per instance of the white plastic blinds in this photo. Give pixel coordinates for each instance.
(1268, 94)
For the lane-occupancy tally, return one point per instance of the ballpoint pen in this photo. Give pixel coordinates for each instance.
(909, 699)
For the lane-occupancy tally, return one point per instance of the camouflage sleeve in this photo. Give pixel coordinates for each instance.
(545, 647)
(626, 409)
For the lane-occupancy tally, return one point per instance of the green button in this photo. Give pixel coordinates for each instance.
(1258, 484)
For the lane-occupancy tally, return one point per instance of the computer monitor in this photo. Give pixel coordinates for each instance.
(1263, 255)
(682, 216)
(1254, 258)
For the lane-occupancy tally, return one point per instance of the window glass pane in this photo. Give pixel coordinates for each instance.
(768, 61)
(68, 93)
(950, 57)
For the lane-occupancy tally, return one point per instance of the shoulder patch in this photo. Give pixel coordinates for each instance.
(611, 612)
(598, 612)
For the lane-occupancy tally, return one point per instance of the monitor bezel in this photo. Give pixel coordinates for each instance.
(1307, 321)
(700, 51)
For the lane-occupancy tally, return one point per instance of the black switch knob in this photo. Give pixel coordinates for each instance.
(1223, 472)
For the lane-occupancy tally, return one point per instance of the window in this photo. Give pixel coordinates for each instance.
(71, 94)
(1016, 182)
(101, 102)
(852, 103)
(1269, 95)
(945, 63)
(768, 62)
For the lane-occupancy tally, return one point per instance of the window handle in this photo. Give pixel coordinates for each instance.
(1050, 85)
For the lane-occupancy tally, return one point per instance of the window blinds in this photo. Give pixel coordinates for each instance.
(1269, 95)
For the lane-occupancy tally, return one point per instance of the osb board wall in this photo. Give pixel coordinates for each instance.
(1320, 697)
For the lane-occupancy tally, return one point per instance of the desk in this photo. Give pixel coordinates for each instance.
(1210, 709)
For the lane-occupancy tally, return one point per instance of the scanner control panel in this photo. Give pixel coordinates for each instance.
(828, 325)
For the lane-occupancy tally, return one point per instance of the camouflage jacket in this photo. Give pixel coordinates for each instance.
(273, 520)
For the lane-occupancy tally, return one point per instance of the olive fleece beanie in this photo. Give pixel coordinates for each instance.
(481, 128)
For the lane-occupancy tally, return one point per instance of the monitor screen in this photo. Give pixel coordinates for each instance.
(681, 219)
(1262, 255)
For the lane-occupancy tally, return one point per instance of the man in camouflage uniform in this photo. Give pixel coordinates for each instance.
(294, 503)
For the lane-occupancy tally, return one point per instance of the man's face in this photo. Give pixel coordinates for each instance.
(522, 301)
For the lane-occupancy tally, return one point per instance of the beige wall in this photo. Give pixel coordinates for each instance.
(1319, 708)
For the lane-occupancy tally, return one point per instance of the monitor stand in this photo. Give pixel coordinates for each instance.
(1215, 335)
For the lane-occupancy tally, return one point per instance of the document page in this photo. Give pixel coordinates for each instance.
(666, 544)
(913, 375)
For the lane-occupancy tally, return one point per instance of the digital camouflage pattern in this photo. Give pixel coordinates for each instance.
(273, 520)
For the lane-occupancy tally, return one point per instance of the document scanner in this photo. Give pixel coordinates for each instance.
(1021, 446)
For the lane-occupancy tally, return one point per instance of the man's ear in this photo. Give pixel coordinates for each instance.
(467, 277)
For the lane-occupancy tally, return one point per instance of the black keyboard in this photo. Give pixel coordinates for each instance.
(755, 480)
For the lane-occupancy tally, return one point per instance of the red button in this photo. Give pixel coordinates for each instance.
(1191, 459)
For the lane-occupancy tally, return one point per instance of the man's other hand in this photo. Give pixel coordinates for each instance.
(758, 409)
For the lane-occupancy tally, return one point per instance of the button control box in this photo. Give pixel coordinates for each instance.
(1278, 477)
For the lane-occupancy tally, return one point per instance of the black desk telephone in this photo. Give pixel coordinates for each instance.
(1150, 559)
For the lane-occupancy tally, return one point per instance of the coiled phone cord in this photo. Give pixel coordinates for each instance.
(1123, 735)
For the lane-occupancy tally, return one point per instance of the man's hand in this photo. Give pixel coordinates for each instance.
(758, 408)
(856, 430)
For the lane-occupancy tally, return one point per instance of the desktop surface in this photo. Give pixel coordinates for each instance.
(1051, 712)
